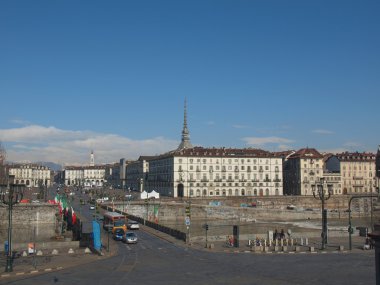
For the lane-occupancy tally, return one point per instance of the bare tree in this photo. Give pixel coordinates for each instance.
(3, 156)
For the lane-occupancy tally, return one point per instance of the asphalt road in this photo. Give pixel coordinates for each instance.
(156, 261)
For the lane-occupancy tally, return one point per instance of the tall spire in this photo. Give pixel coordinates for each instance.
(185, 143)
(92, 158)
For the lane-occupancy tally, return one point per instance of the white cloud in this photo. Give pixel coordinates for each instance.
(323, 132)
(39, 143)
(262, 141)
(352, 144)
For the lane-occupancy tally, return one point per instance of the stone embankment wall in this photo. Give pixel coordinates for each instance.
(30, 222)
(264, 209)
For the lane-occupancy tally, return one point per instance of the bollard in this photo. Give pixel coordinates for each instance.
(311, 248)
(276, 242)
(282, 242)
(39, 253)
(297, 249)
(54, 252)
(284, 248)
(87, 250)
(301, 242)
(71, 251)
(306, 241)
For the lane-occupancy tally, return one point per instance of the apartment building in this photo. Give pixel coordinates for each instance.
(213, 172)
(136, 173)
(32, 175)
(302, 169)
(358, 171)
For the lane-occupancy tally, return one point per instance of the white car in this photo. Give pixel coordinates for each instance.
(92, 207)
(133, 225)
(130, 238)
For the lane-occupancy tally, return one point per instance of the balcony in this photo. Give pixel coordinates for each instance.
(358, 177)
(217, 180)
(204, 180)
(267, 180)
(230, 180)
(311, 173)
(277, 180)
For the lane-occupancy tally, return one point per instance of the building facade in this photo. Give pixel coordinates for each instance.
(87, 176)
(32, 175)
(302, 169)
(358, 171)
(213, 172)
(137, 173)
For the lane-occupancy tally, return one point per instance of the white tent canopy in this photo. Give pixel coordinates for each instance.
(146, 195)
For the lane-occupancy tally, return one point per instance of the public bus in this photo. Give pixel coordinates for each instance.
(113, 221)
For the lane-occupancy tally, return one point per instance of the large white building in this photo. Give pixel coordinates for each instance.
(210, 172)
(87, 176)
(32, 175)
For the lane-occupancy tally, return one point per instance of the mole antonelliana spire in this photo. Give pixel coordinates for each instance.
(92, 158)
(185, 143)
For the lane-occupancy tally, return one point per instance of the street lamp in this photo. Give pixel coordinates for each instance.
(11, 194)
(319, 193)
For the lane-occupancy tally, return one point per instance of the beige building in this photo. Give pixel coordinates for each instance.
(32, 175)
(302, 169)
(358, 171)
(136, 173)
(87, 176)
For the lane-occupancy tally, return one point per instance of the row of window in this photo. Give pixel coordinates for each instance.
(229, 161)
(230, 192)
(224, 168)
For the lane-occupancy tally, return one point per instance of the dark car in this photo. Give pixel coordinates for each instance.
(118, 234)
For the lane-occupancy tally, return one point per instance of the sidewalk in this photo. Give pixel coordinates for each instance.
(335, 245)
(31, 265)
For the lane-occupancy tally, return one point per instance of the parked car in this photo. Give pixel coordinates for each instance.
(130, 237)
(118, 234)
(92, 207)
(133, 225)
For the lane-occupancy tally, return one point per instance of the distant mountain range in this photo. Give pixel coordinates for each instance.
(51, 165)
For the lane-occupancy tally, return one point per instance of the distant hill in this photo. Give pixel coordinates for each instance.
(51, 165)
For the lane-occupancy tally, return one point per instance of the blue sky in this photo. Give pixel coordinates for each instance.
(112, 76)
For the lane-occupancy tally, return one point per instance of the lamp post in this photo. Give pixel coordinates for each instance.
(319, 193)
(11, 195)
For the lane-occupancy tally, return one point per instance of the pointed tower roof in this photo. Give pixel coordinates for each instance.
(185, 142)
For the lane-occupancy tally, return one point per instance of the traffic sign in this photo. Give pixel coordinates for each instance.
(187, 221)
